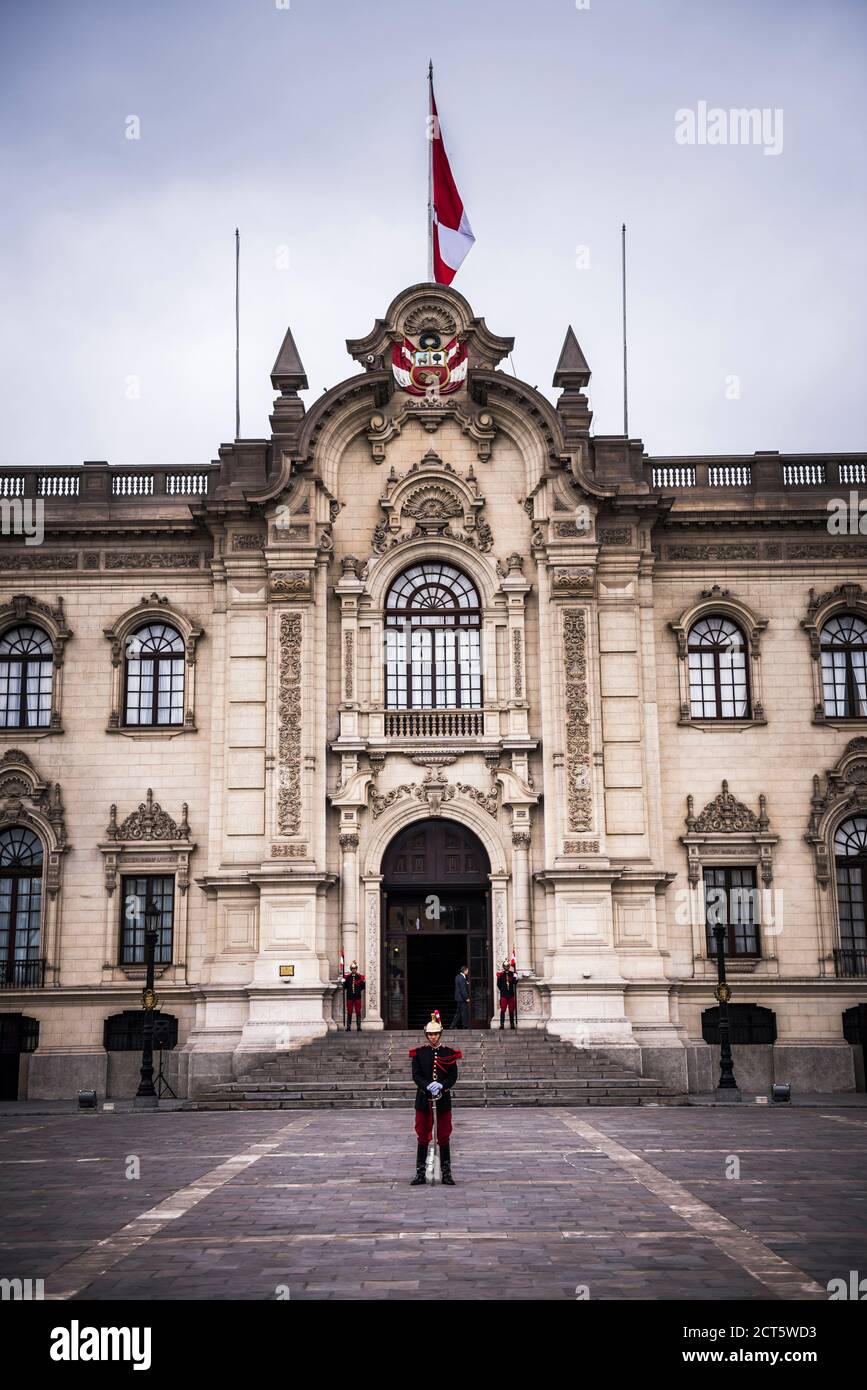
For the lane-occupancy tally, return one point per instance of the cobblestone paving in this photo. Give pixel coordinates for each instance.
(243, 1205)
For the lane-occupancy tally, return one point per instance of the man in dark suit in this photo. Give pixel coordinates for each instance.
(462, 998)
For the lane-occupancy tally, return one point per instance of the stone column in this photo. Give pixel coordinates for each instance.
(349, 897)
(523, 942)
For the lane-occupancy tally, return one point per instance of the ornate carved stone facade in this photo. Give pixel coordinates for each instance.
(301, 748)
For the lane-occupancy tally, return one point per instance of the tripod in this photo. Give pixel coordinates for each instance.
(162, 1086)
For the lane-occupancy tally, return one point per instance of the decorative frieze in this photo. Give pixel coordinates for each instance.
(616, 535)
(578, 791)
(247, 540)
(38, 559)
(296, 851)
(717, 550)
(580, 846)
(151, 560)
(289, 725)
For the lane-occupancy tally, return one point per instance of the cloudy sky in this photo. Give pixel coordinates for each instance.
(303, 121)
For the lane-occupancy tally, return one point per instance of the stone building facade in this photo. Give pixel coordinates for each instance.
(432, 672)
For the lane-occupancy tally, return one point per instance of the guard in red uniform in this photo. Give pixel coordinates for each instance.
(434, 1071)
(507, 983)
(353, 984)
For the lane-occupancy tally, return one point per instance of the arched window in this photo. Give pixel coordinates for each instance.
(718, 687)
(433, 640)
(154, 682)
(26, 670)
(843, 642)
(20, 907)
(850, 859)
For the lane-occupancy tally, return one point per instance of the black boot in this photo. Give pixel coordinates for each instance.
(446, 1165)
(420, 1156)
(503, 1019)
(358, 1023)
(513, 1021)
(349, 1026)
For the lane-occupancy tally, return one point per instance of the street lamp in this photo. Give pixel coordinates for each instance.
(146, 1097)
(727, 1088)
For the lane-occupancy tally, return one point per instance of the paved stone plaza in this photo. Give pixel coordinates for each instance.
(632, 1203)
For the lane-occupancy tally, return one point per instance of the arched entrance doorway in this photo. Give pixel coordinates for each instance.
(436, 912)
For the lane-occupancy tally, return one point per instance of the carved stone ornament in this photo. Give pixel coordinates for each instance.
(289, 726)
(431, 494)
(291, 584)
(431, 412)
(295, 851)
(572, 581)
(578, 790)
(148, 822)
(434, 789)
(844, 794)
(728, 829)
(726, 814)
(26, 800)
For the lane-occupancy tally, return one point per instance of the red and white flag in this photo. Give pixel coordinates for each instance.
(451, 233)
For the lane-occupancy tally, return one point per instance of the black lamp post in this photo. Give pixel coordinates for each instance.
(146, 1097)
(727, 1085)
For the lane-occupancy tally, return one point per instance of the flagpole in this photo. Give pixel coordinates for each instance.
(431, 134)
(237, 335)
(625, 394)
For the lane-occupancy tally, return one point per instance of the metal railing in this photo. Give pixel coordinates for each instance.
(849, 962)
(22, 974)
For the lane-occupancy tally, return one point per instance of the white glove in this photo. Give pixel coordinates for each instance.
(435, 1088)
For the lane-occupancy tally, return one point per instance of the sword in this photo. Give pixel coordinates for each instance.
(432, 1168)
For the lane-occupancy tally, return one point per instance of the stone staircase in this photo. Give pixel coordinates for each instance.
(372, 1071)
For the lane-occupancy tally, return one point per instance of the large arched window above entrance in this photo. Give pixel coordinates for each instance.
(21, 962)
(850, 861)
(433, 640)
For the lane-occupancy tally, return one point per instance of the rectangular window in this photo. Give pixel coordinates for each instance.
(732, 901)
(850, 903)
(138, 892)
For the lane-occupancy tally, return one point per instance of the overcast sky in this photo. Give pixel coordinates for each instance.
(305, 125)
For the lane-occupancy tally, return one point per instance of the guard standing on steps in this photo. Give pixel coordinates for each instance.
(434, 1071)
(507, 984)
(353, 985)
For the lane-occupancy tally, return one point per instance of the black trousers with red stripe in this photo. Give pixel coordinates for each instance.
(424, 1125)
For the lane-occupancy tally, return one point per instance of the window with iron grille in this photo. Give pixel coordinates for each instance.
(731, 901)
(718, 684)
(843, 641)
(20, 905)
(850, 860)
(139, 891)
(26, 674)
(154, 676)
(125, 1032)
(433, 640)
(748, 1024)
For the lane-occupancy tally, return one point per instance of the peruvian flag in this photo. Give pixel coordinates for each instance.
(451, 231)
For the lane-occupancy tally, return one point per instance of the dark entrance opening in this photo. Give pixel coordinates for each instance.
(18, 1034)
(436, 919)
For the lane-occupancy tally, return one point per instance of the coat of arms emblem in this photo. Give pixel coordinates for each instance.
(429, 367)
